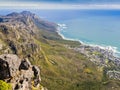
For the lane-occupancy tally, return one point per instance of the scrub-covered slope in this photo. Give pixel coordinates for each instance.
(62, 68)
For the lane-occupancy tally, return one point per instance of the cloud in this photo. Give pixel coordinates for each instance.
(20, 5)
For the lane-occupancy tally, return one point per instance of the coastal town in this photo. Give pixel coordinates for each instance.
(103, 58)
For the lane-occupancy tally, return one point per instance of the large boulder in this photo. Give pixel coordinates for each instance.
(9, 65)
(18, 72)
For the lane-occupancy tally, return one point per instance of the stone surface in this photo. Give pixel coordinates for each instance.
(25, 64)
(9, 65)
(37, 75)
(18, 72)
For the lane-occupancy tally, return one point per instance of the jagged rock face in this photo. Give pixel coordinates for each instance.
(18, 72)
(19, 34)
(10, 64)
(25, 65)
(28, 21)
(20, 31)
(36, 74)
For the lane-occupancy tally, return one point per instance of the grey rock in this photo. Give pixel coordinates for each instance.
(37, 75)
(9, 65)
(13, 47)
(18, 72)
(36, 71)
(25, 64)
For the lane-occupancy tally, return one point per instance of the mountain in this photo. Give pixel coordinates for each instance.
(27, 37)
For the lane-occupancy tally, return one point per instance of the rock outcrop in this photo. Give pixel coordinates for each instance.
(19, 72)
(20, 35)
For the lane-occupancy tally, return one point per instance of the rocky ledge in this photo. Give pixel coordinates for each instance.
(20, 73)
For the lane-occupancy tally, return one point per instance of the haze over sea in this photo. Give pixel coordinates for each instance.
(97, 27)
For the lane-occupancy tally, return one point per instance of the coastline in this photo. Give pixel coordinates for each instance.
(112, 49)
(99, 55)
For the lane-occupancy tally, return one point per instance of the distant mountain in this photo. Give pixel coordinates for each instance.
(25, 16)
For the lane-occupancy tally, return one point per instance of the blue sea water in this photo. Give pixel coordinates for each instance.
(98, 27)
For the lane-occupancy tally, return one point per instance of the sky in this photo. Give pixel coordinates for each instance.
(60, 4)
(67, 1)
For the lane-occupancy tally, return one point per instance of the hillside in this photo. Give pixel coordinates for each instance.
(61, 66)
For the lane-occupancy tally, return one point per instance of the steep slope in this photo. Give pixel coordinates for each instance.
(28, 36)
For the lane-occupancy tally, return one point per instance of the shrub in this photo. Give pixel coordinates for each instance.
(5, 86)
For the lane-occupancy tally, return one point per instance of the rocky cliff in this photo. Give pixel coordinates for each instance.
(18, 35)
(20, 73)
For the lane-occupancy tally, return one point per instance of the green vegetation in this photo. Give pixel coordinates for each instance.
(65, 69)
(97, 53)
(5, 86)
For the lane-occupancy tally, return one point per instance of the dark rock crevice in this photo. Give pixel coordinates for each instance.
(4, 70)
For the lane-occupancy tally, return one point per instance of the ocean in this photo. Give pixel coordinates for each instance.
(92, 27)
